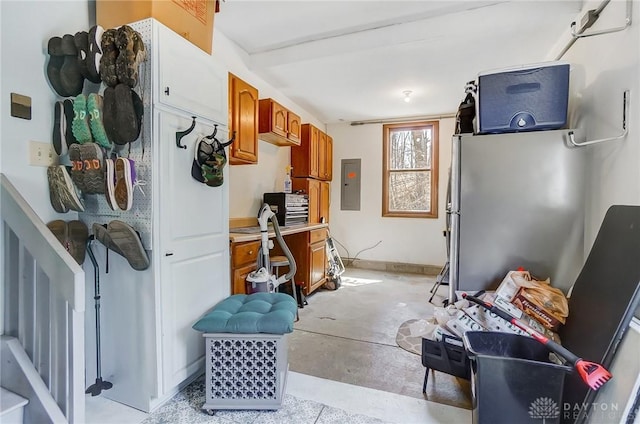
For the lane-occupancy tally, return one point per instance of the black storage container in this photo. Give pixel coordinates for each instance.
(447, 355)
(524, 98)
(512, 379)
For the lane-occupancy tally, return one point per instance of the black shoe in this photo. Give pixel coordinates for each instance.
(126, 119)
(138, 108)
(94, 54)
(81, 41)
(109, 113)
(122, 111)
(68, 125)
(70, 76)
(59, 123)
(56, 60)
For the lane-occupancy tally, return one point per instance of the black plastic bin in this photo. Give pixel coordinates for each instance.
(445, 356)
(512, 379)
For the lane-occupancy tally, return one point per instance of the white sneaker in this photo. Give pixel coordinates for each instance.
(110, 184)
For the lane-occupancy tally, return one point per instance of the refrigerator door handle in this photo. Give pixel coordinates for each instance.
(455, 218)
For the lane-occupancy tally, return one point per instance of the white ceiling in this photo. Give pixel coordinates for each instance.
(351, 60)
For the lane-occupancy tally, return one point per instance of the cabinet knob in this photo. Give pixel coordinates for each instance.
(168, 254)
(251, 252)
(166, 91)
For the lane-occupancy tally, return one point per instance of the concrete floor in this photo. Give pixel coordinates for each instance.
(348, 335)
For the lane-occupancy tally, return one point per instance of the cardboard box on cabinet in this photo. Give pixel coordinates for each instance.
(192, 19)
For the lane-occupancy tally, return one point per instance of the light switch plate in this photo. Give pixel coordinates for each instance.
(42, 154)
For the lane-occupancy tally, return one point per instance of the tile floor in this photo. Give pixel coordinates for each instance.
(318, 401)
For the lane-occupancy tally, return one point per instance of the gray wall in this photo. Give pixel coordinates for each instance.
(602, 68)
(26, 29)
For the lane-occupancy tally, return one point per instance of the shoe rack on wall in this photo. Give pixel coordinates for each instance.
(140, 215)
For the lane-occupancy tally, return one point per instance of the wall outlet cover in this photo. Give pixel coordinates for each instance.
(42, 154)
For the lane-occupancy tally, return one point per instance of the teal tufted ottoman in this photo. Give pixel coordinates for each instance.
(246, 350)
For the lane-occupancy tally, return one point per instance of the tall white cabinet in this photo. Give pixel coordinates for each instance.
(149, 349)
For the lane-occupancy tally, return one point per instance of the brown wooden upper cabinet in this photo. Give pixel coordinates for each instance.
(277, 124)
(325, 157)
(329, 161)
(243, 119)
(313, 158)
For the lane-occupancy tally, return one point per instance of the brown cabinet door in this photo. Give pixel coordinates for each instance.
(310, 187)
(293, 127)
(314, 200)
(314, 145)
(244, 259)
(299, 245)
(325, 157)
(277, 124)
(329, 159)
(325, 196)
(305, 157)
(322, 155)
(243, 117)
(240, 278)
(317, 265)
(278, 119)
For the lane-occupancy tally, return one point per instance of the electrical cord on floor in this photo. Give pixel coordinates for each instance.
(345, 249)
(350, 260)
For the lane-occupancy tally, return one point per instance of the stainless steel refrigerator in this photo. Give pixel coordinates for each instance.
(517, 200)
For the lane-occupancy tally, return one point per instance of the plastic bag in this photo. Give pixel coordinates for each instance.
(422, 328)
(512, 283)
(537, 298)
(550, 298)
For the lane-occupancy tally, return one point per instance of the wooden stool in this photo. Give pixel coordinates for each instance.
(278, 261)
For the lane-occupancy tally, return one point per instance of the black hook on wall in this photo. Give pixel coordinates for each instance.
(233, 137)
(213, 137)
(180, 134)
(215, 131)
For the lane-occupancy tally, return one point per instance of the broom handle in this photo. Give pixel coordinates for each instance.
(553, 346)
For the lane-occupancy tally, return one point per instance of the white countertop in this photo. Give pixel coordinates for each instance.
(242, 234)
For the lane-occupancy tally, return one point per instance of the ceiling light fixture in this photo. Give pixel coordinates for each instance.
(407, 95)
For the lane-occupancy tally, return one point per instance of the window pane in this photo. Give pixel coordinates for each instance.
(410, 149)
(410, 191)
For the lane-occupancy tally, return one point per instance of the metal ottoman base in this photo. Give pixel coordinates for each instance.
(245, 371)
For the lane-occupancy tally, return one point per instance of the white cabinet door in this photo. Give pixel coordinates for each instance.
(189, 79)
(194, 240)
